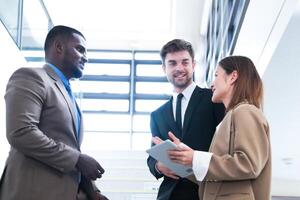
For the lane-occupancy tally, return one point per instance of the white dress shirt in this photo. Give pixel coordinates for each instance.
(201, 162)
(201, 159)
(187, 93)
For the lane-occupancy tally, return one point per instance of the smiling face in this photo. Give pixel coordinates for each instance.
(179, 68)
(222, 86)
(74, 56)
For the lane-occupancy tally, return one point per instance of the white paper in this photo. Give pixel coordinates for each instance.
(159, 152)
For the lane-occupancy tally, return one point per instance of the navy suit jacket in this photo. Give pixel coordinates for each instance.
(200, 121)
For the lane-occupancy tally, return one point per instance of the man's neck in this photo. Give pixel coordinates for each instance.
(180, 90)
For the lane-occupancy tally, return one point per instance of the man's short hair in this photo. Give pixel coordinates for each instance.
(175, 46)
(62, 31)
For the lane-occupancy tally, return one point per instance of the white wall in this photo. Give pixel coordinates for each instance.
(270, 36)
(11, 59)
(282, 106)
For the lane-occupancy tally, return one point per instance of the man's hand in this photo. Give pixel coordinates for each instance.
(158, 140)
(89, 167)
(165, 171)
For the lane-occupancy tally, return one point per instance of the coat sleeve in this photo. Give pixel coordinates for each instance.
(251, 148)
(25, 97)
(151, 161)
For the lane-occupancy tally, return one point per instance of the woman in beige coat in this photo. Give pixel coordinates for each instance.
(238, 164)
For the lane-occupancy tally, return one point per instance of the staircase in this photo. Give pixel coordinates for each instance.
(126, 176)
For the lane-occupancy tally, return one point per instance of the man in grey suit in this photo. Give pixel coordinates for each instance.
(44, 127)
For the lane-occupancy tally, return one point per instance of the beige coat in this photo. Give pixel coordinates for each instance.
(41, 132)
(247, 174)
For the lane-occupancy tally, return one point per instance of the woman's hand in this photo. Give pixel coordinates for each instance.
(183, 154)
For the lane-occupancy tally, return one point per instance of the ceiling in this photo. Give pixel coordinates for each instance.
(131, 24)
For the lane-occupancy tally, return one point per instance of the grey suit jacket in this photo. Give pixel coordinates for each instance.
(41, 131)
(247, 173)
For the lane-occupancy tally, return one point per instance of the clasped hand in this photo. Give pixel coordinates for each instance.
(89, 167)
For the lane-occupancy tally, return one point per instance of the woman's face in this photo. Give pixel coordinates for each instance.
(221, 86)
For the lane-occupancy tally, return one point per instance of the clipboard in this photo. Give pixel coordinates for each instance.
(159, 152)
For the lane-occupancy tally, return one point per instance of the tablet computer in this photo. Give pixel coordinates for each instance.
(159, 152)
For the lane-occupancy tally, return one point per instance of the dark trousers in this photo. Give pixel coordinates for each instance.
(185, 190)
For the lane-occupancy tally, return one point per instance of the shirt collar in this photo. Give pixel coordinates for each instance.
(187, 92)
(59, 74)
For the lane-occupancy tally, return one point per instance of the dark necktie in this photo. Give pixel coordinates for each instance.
(178, 112)
(76, 110)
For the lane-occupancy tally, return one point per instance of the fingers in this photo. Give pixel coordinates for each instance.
(174, 155)
(177, 159)
(184, 157)
(171, 175)
(89, 167)
(174, 138)
(166, 171)
(156, 140)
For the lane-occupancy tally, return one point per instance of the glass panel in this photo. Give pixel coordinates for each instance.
(103, 104)
(138, 24)
(35, 64)
(35, 28)
(9, 16)
(100, 87)
(147, 56)
(148, 105)
(141, 141)
(106, 122)
(149, 70)
(141, 123)
(110, 55)
(33, 53)
(105, 141)
(154, 88)
(106, 69)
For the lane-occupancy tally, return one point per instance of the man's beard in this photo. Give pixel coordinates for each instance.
(181, 84)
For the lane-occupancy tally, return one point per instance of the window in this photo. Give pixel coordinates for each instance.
(224, 24)
(118, 91)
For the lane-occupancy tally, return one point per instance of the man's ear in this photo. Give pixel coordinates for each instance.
(164, 68)
(58, 46)
(234, 76)
(194, 65)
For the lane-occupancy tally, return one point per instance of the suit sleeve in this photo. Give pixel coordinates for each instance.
(25, 96)
(251, 149)
(151, 161)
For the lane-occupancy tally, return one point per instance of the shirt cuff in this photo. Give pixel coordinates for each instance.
(201, 162)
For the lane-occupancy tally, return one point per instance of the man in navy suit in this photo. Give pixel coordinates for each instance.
(193, 121)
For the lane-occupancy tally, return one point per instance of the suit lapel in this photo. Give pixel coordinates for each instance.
(194, 101)
(169, 118)
(81, 125)
(63, 91)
